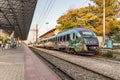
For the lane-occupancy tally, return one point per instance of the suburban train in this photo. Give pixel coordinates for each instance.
(76, 40)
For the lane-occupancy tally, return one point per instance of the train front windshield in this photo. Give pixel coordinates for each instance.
(89, 37)
(87, 34)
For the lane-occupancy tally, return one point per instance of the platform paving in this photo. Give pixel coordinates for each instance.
(22, 64)
(36, 69)
(12, 64)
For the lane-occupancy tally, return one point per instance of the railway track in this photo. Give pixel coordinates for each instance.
(62, 74)
(82, 73)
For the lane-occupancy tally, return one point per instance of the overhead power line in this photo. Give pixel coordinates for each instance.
(45, 13)
(41, 11)
(44, 10)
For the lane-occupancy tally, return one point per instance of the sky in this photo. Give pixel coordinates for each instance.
(48, 11)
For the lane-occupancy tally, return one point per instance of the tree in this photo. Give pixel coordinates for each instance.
(112, 9)
(1, 37)
(91, 17)
(6, 40)
(116, 37)
(78, 17)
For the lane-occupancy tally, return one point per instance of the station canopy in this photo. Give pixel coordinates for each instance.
(16, 15)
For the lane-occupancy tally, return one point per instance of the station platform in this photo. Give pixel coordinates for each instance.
(22, 64)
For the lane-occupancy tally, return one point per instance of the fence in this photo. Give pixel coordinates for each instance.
(116, 44)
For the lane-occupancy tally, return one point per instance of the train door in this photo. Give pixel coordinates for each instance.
(76, 42)
(59, 39)
(55, 43)
(72, 40)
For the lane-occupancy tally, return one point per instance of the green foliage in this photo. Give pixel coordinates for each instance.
(6, 40)
(108, 54)
(91, 17)
(1, 36)
(116, 37)
(77, 17)
(112, 9)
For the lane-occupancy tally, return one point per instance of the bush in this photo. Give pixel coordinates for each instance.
(116, 36)
(6, 40)
(108, 54)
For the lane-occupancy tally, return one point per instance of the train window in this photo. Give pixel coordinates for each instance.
(45, 41)
(56, 39)
(68, 37)
(52, 39)
(87, 34)
(71, 36)
(64, 38)
(74, 36)
(60, 38)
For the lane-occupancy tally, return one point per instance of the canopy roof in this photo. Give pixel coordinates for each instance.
(16, 15)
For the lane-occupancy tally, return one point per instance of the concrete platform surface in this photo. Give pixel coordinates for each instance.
(12, 64)
(36, 69)
(22, 64)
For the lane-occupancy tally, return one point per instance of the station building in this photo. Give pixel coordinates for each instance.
(52, 32)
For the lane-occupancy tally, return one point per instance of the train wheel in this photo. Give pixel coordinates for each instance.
(71, 50)
(68, 50)
(65, 50)
(75, 52)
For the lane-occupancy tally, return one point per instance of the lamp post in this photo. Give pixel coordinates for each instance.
(36, 32)
(47, 25)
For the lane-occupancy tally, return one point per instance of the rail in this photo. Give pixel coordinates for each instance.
(105, 76)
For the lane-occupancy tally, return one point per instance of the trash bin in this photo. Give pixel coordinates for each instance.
(109, 44)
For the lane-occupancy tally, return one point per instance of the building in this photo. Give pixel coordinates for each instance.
(49, 33)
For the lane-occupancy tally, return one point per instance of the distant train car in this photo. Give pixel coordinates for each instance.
(50, 42)
(40, 43)
(76, 40)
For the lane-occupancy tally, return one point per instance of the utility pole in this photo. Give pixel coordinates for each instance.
(36, 30)
(104, 22)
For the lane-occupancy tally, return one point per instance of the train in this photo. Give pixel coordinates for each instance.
(75, 40)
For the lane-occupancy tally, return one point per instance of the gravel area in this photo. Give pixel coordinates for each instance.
(108, 68)
(78, 73)
(116, 53)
